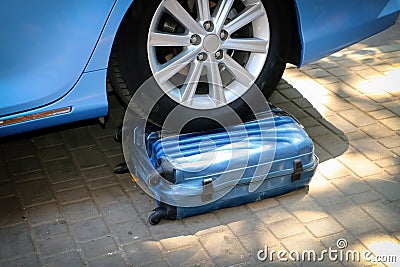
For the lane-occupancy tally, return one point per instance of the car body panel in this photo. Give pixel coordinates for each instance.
(87, 100)
(56, 54)
(46, 48)
(329, 26)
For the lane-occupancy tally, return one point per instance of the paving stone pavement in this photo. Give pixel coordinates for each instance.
(62, 205)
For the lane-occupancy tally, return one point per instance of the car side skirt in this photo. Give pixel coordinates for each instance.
(87, 100)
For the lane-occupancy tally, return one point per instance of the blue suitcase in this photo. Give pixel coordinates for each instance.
(205, 171)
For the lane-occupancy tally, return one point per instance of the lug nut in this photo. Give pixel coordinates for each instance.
(219, 54)
(209, 26)
(195, 39)
(202, 56)
(223, 35)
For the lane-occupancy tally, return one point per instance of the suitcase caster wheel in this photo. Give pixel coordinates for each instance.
(156, 215)
(154, 218)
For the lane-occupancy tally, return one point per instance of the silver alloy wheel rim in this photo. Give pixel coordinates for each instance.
(207, 51)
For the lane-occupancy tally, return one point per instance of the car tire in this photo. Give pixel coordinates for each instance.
(129, 65)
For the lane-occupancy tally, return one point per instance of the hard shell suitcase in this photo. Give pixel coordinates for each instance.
(205, 171)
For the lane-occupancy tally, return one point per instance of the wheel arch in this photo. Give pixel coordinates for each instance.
(295, 48)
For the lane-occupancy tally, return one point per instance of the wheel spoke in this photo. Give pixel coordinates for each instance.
(173, 66)
(192, 80)
(183, 16)
(250, 14)
(215, 83)
(203, 7)
(255, 45)
(238, 71)
(167, 39)
(222, 13)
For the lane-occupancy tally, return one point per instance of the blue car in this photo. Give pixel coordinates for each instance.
(57, 56)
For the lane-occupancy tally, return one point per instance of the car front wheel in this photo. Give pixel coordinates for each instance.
(204, 54)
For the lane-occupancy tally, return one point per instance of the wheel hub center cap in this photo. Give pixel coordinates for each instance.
(211, 43)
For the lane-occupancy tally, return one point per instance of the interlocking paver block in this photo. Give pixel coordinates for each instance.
(286, 228)
(103, 182)
(62, 170)
(80, 211)
(325, 194)
(246, 226)
(359, 164)
(364, 103)
(377, 131)
(24, 165)
(381, 114)
(90, 229)
(187, 256)
(386, 185)
(78, 137)
(15, 241)
(64, 259)
(178, 242)
(197, 224)
(54, 153)
(19, 150)
(51, 139)
(144, 252)
(26, 261)
(263, 204)
(332, 144)
(393, 106)
(306, 210)
(46, 231)
(333, 169)
(35, 192)
(357, 117)
(97, 173)
(232, 215)
(44, 213)
(317, 73)
(354, 219)
(119, 212)
(6, 189)
(367, 196)
(109, 195)
(130, 231)
(56, 245)
(392, 123)
(10, 211)
(99, 247)
(371, 149)
(307, 242)
(391, 141)
(258, 240)
(323, 227)
(68, 185)
(342, 90)
(221, 244)
(89, 157)
(114, 260)
(73, 195)
(385, 213)
(342, 125)
(273, 215)
(351, 185)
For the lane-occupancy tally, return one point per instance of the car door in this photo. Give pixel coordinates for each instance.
(45, 46)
